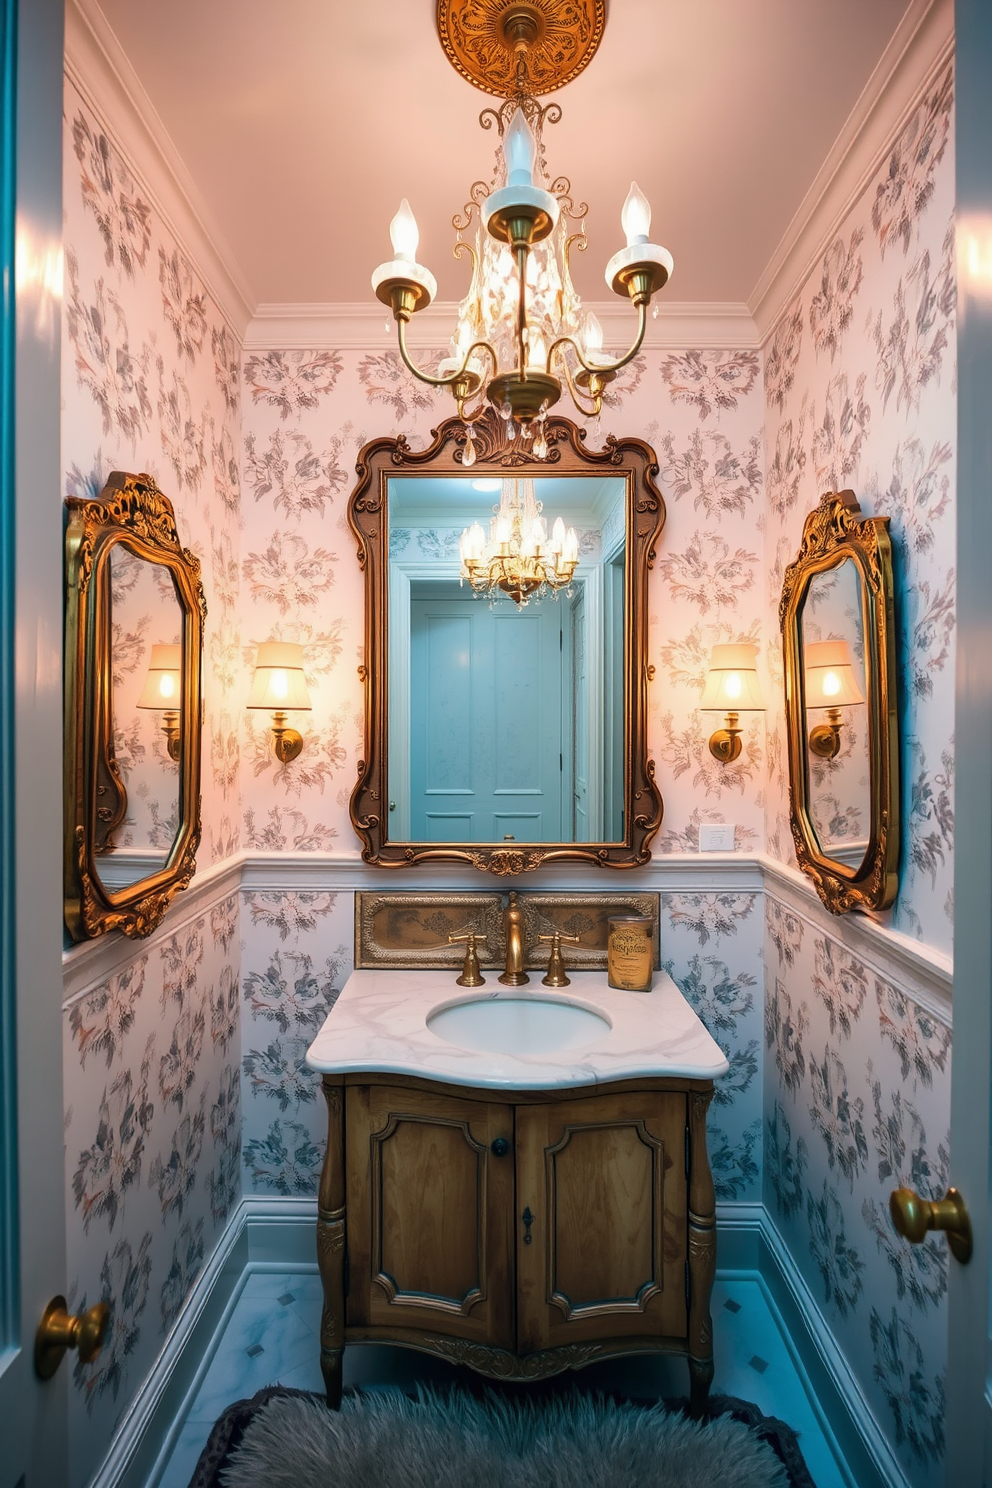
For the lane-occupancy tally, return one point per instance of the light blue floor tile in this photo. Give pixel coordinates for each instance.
(271, 1341)
(185, 1455)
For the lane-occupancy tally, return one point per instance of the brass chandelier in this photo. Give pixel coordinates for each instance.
(521, 558)
(521, 333)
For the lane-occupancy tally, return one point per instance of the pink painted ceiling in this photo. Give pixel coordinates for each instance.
(303, 123)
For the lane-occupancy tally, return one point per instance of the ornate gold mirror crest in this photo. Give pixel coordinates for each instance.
(135, 610)
(557, 707)
(838, 638)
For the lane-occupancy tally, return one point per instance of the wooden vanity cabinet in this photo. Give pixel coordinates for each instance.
(520, 1233)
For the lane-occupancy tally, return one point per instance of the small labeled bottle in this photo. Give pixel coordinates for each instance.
(630, 953)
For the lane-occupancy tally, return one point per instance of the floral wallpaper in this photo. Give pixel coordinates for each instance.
(153, 1147)
(300, 580)
(857, 1102)
(151, 382)
(860, 391)
(184, 1072)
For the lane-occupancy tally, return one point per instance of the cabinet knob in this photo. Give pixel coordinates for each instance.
(500, 1147)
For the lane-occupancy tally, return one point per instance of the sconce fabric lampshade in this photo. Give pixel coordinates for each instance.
(279, 683)
(163, 685)
(732, 681)
(830, 679)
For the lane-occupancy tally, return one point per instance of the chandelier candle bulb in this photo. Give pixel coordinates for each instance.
(522, 336)
(635, 216)
(404, 233)
(519, 152)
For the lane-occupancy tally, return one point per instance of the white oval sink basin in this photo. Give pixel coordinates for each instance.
(517, 1025)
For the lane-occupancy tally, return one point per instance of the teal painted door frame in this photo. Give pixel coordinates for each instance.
(33, 1415)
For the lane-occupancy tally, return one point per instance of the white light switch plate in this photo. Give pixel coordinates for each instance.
(716, 837)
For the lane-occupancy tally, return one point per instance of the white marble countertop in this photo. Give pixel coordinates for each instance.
(379, 1025)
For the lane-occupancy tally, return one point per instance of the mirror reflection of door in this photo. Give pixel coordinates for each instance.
(836, 714)
(486, 726)
(505, 720)
(140, 786)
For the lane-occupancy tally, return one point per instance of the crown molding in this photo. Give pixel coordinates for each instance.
(97, 66)
(923, 42)
(369, 327)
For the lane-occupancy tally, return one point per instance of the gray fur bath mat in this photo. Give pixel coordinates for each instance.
(289, 1439)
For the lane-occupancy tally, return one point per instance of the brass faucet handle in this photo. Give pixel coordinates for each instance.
(471, 972)
(556, 975)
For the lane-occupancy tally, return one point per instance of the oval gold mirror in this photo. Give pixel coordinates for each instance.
(506, 650)
(838, 636)
(134, 626)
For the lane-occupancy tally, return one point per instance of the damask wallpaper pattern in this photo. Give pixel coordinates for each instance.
(185, 1083)
(151, 382)
(860, 391)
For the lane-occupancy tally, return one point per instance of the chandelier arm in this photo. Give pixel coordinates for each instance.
(450, 377)
(473, 413)
(642, 325)
(596, 406)
(583, 243)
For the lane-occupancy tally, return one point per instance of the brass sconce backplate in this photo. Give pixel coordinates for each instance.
(483, 40)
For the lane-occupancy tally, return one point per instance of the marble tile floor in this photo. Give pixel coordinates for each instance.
(272, 1338)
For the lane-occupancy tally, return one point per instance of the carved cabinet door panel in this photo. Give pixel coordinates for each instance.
(601, 1220)
(430, 1213)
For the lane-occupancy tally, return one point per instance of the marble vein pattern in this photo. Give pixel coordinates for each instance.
(379, 1023)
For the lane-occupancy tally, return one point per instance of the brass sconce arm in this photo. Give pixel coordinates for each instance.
(170, 728)
(287, 743)
(725, 743)
(824, 739)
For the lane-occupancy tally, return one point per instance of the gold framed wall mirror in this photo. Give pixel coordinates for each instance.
(838, 638)
(506, 663)
(135, 610)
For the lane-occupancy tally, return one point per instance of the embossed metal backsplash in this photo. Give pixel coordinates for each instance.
(410, 930)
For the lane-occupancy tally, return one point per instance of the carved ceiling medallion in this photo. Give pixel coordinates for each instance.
(484, 39)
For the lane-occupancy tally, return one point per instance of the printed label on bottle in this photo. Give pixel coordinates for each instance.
(629, 958)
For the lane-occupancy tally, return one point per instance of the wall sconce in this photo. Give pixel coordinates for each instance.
(163, 690)
(279, 684)
(830, 684)
(731, 688)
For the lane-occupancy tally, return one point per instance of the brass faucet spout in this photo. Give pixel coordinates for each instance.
(513, 931)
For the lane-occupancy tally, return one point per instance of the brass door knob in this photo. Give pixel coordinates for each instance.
(59, 1330)
(914, 1217)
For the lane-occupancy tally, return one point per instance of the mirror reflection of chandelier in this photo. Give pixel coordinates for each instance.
(520, 558)
(521, 333)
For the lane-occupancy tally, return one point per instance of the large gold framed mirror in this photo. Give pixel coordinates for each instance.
(135, 609)
(506, 662)
(838, 637)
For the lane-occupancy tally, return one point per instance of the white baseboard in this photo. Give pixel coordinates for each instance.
(262, 1234)
(863, 1444)
(276, 1233)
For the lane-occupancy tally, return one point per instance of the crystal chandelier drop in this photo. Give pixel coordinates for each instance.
(522, 334)
(520, 558)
